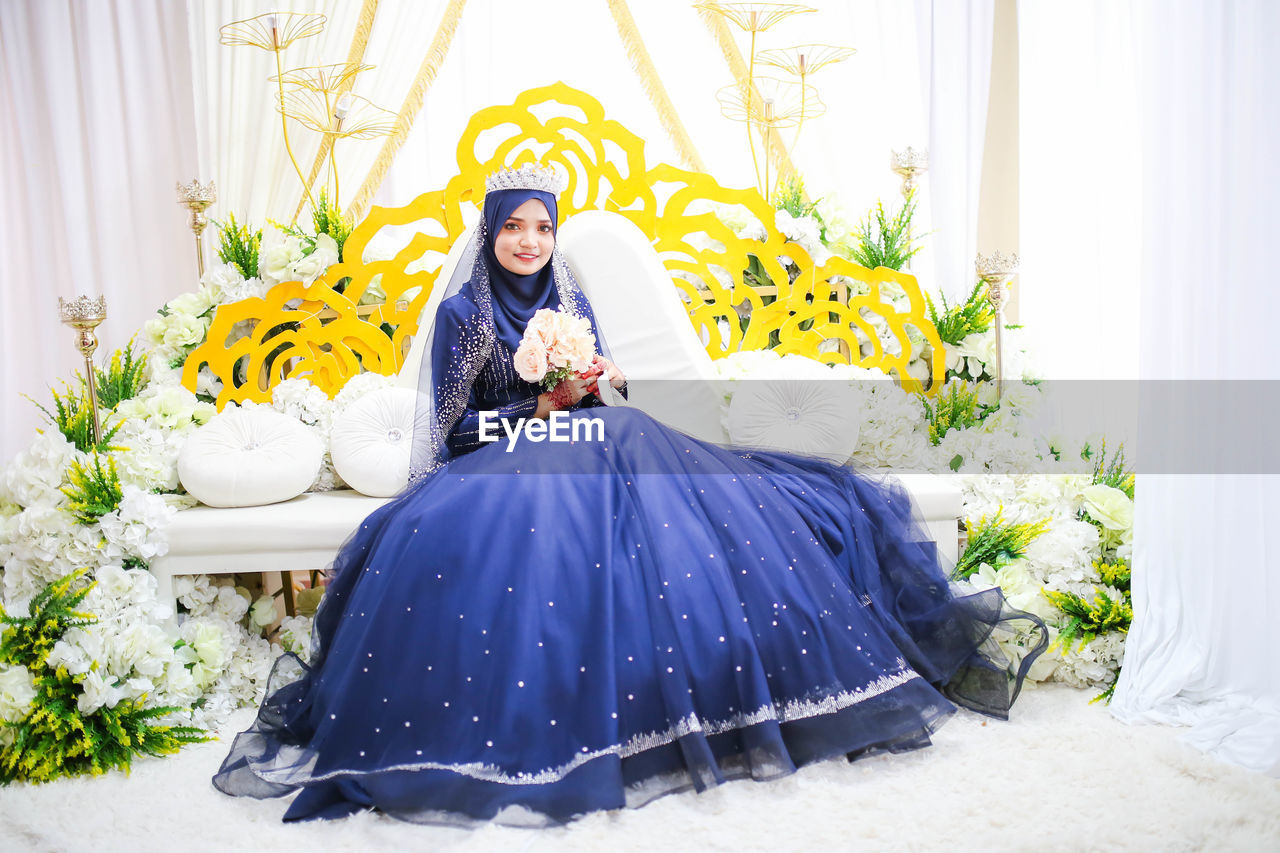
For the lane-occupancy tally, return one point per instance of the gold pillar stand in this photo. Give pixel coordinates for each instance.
(85, 314)
(197, 198)
(995, 270)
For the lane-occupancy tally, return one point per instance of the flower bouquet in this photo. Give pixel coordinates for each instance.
(557, 346)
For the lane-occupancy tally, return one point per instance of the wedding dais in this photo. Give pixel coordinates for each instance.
(547, 413)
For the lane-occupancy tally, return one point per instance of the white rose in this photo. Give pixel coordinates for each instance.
(183, 330)
(278, 253)
(1109, 506)
(263, 611)
(194, 304)
(209, 644)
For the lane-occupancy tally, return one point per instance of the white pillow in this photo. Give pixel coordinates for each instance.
(249, 456)
(816, 417)
(372, 440)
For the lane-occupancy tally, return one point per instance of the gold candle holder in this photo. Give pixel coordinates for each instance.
(995, 270)
(909, 163)
(197, 197)
(85, 315)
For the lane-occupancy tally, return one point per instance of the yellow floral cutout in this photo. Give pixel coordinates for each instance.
(830, 312)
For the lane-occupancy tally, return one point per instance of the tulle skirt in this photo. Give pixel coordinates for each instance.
(536, 633)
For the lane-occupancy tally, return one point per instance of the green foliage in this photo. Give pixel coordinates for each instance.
(239, 245)
(124, 378)
(73, 416)
(27, 640)
(329, 220)
(55, 739)
(957, 407)
(884, 241)
(1115, 574)
(956, 322)
(996, 542)
(1087, 619)
(94, 489)
(1112, 472)
(1103, 613)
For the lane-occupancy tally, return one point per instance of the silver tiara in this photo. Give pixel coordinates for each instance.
(530, 176)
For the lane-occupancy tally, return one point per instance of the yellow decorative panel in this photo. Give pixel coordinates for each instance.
(831, 312)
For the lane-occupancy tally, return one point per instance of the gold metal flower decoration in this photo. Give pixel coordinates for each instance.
(755, 17)
(273, 31)
(772, 103)
(346, 117)
(323, 78)
(804, 59)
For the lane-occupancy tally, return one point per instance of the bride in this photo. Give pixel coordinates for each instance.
(536, 630)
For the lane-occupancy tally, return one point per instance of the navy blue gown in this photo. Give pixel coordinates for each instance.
(542, 631)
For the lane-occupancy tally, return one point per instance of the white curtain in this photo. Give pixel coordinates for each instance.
(1206, 577)
(955, 57)
(238, 129)
(1079, 186)
(95, 105)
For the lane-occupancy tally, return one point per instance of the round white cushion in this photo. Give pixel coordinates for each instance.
(371, 442)
(816, 417)
(249, 456)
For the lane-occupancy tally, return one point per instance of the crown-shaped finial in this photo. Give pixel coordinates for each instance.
(530, 176)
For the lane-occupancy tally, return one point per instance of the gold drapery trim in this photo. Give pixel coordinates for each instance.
(359, 43)
(643, 65)
(412, 105)
(778, 152)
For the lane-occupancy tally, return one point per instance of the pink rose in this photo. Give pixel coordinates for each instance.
(531, 362)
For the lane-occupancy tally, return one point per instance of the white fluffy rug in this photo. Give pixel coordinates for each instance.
(1061, 775)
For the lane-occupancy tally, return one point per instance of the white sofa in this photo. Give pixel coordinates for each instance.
(649, 336)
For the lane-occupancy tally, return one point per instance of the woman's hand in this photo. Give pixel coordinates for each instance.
(568, 393)
(609, 369)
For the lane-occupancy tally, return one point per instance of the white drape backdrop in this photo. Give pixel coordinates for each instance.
(1079, 186)
(955, 57)
(95, 106)
(1201, 650)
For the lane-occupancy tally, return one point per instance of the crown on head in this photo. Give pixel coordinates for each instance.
(530, 176)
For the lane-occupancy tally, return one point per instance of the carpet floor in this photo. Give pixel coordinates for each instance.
(1061, 775)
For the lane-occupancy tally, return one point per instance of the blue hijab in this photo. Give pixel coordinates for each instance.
(516, 297)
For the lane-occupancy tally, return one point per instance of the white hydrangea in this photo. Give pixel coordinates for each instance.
(17, 691)
(1063, 555)
(357, 387)
(1094, 664)
(894, 431)
(295, 635)
(35, 475)
(136, 528)
(149, 458)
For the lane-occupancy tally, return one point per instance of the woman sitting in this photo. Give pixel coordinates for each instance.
(544, 629)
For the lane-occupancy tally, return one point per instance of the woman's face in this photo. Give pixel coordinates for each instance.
(524, 242)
